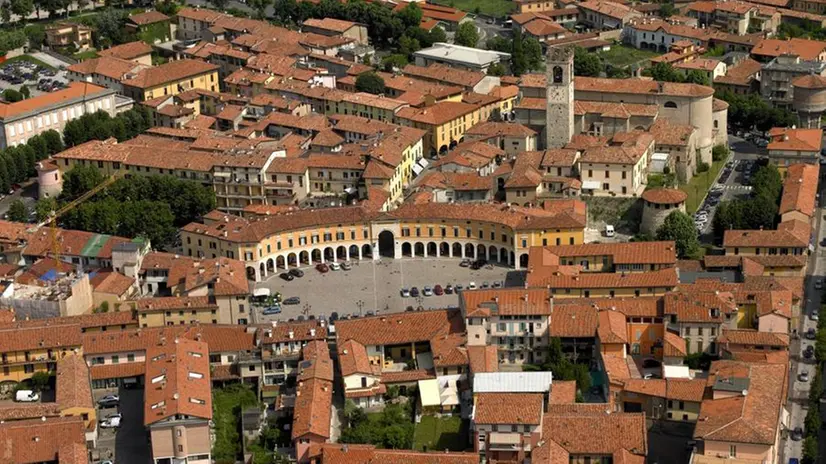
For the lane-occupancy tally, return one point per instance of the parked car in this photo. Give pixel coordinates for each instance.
(813, 315)
(26, 396)
(114, 415)
(293, 300)
(819, 284)
(112, 423)
(458, 288)
(438, 290)
(465, 263)
(322, 268)
(109, 401)
(803, 376)
(797, 434)
(427, 291)
(809, 352)
(335, 266)
(287, 276)
(297, 272)
(811, 333)
(271, 310)
(497, 284)
(414, 292)
(471, 286)
(485, 284)
(346, 266)
(449, 289)
(405, 293)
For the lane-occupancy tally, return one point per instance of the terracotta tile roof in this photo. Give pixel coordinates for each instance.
(17, 411)
(331, 453)
(611, 328)
(810, 81)
(743, 73)
(615, 110)
(446, 74)
(111, 67)
(330, 24)
(673, 345)
(640, 87)
(768, 357)
(177, 381)
(574, 321)
(508, 408)
(508, 301)
(352, 357)
(563, 392)
(628, 152)
(117, 371)
(753, 337)
(661, 278)
(540, 27)
(314, 397)
(616, 368)
(73, 387)
(593, 433)
(35, 440)
(128, 51)
(612, 9)
(792, 235)
(161, 260)
(493, 128)
(75, 92)
(647, 387)
(664, 196)
(61, 337)
(784, 138)
(752, 418)
(302, 331)
(449, 350)
(667, 133)
(806, 49)
(483, 359)
(149, 17)
(699, 307)
(173, 303)
(227, 276)
(111, 282)
(437, 114)
(437, 12)
(170, 72)
(660, 252)
(399, 328)
(407, 376)
(316, 362)
(800, 189)
(685, 389)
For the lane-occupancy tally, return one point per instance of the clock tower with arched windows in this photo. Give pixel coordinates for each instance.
(559, 122)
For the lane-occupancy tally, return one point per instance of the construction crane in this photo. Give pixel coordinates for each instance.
(51, 221)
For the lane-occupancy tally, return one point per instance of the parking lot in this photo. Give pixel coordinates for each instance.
(733, 182)
(127, 444)
(37, 79)
(376, 286)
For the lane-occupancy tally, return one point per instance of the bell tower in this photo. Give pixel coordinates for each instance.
(559, 114)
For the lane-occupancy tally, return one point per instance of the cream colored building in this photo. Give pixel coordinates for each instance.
(22, 120)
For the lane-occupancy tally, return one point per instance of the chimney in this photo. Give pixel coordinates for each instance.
(291, 334)
(312, 332)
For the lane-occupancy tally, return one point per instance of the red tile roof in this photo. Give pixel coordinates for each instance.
(74, 389)
(806, 49)
(128, 51)
(75, 92)
(508, 408)
(177, 381)
(800, 189)
(783, 138)
(36, 440)
(170, 72)
(664, 196)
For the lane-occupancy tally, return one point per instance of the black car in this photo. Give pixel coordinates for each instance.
(286, 276)
(797, 434)
(297, 272)
(293, 300)
(809, 352)
(414, 292)
(811, 334)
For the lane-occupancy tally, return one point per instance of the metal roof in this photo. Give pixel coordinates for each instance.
(512, 382)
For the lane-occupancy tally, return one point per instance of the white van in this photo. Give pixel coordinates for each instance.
(26, 396)
(609, 230)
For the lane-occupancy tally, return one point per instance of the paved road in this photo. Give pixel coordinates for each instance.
(797, 404)
(128, 444)
(377, 285)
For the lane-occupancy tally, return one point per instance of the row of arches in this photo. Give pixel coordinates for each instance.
(308, 258)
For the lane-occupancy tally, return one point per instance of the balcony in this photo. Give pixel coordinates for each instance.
(502, 441)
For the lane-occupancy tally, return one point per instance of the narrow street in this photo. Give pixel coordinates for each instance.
(797, 404)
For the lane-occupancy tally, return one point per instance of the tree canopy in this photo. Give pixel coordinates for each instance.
(679, 227)
(750, 111)
(758, 211)
(586, 64)
(391, 429)
(101, 126)
(526, 54)
(370, 82)
(466, 35)
(18, 211)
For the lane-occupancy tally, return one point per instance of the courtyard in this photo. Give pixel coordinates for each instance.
(376, 286)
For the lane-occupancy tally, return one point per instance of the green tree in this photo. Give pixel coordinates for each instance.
(696, 77)
(519, 62)
(810, 450)
(719, 152)
(679, 227)
(38, 144)
(22, 8)
(11, 39)
(466, 35)
(665, 72)
(496, 69)
(44, 207)
(25, 92)
(392, 62)
(12, 96)
(219, 4)
(586, 64)
(768, 182)
(53, 141)
(18, 211)
(499, 44)
(40, 380)
(370, 82)
(79, 180)
(533, 54)
(408, 45)
(667, 10)
(36, 34)
(812, 420)
(411, 15)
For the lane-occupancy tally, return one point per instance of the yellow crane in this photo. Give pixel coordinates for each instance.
(54, 215)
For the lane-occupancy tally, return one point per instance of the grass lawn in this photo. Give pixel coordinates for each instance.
(30, 59)
(621, 56)
(227, 404)
(497, 8)
(87, 55)
(440, 433)
(698, 186)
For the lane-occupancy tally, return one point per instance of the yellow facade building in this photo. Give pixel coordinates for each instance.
(171, 78)
(25, 350)
(445, 123)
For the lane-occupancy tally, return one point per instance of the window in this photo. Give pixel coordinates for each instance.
(130, 357)
(115, 359)
(670, 104)
(557, 74)
(180, 448)
(732, 451)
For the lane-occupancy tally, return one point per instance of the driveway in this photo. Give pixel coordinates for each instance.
(128, 444)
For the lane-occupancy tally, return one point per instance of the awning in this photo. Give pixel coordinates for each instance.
(591, 185)
(417, 169)
(429, 393)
